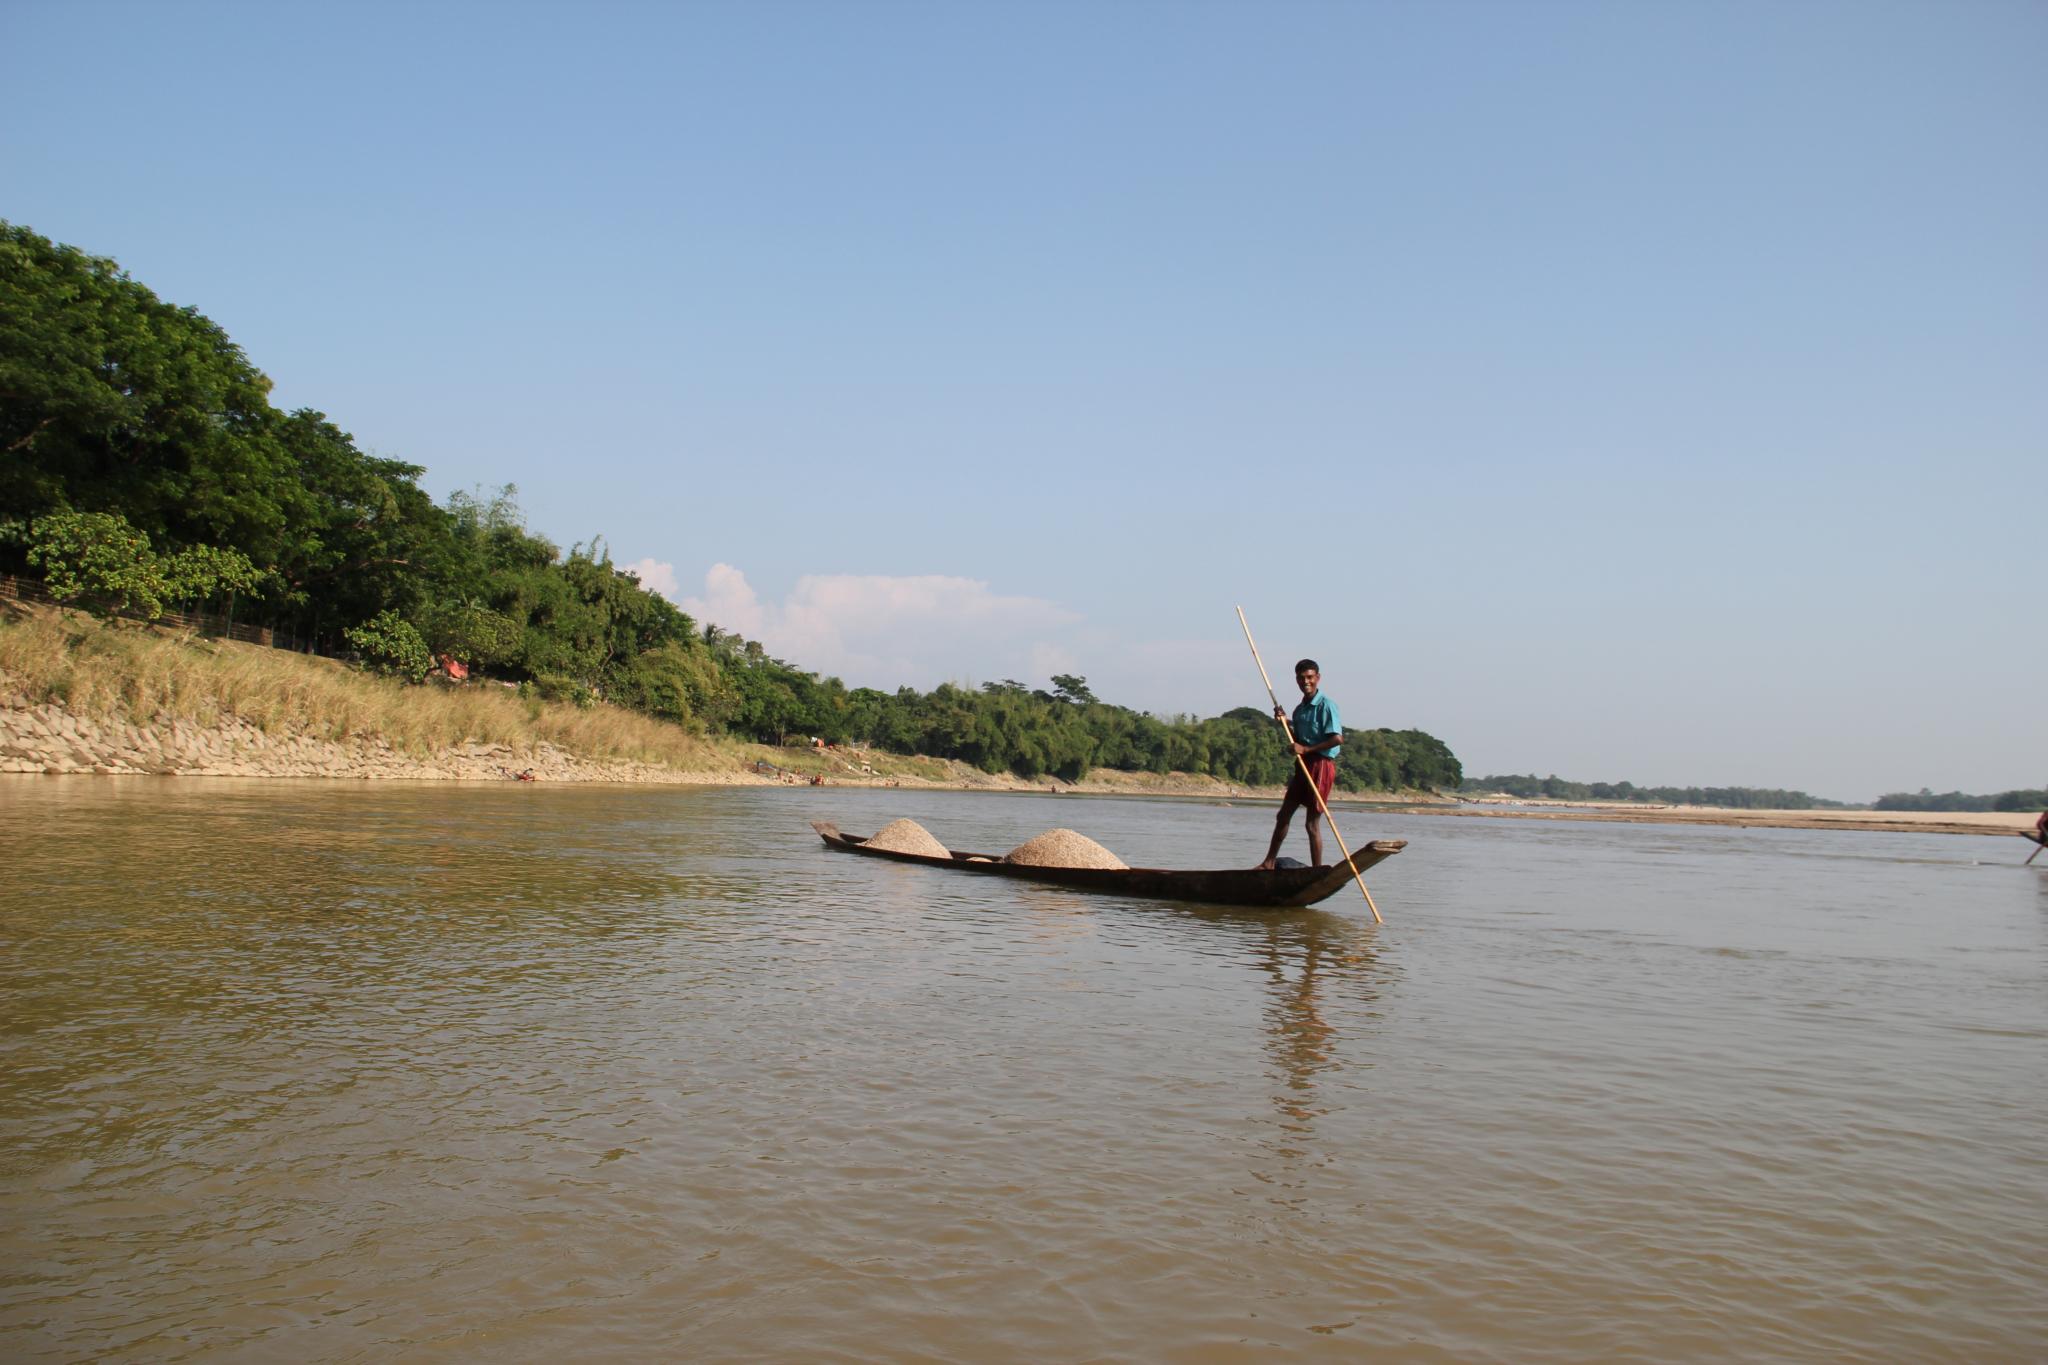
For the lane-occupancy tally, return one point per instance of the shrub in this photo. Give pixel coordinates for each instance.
(388, 643)
(472, 633)
(100, 557)
(558, 687)
(675, 682)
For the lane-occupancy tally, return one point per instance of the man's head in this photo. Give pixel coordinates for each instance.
(1307, 677)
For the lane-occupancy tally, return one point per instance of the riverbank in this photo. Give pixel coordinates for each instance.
(77, 697)
(81, 697)
(40, 735)
(49, 738)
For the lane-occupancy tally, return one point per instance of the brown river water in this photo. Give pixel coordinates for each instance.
(329, 1072)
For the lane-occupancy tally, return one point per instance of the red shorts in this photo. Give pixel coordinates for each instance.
(1323, 770)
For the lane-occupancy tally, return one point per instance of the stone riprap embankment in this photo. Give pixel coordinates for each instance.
(48, 738)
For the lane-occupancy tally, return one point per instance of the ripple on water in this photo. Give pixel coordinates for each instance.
(347, 1073)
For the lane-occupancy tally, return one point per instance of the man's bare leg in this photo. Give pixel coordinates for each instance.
(1280, 823)
(1315, 836)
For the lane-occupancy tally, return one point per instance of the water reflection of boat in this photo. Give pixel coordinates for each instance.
(1284, 886)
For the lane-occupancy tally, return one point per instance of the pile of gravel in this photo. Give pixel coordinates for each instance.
(1063, 848)
(908, 836)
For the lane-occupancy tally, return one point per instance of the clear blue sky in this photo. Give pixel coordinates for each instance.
(1647, 391)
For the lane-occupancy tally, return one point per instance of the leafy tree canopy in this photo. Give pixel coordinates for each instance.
(1068, 687)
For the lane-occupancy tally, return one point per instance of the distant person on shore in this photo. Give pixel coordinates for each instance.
(1318, 739)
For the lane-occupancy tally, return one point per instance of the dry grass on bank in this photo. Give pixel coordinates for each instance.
(104, 670)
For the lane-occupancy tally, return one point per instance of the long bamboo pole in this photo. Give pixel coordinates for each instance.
(1302, 764)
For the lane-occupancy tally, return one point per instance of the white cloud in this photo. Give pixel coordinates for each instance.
(728, 601)
(655, 576)
(874, 630)
(880, 631)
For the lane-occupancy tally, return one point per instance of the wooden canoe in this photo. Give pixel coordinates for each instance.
(1285, 886)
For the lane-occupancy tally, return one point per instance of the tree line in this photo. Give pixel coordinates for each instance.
(143, 468)
(2019, 799)
(1555, 788)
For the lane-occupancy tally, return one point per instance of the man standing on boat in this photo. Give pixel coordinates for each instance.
(1318, 739)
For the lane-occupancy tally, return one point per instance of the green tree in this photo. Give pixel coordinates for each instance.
(359, 533)
(112, 399)
(1071, 688)
(201, 573)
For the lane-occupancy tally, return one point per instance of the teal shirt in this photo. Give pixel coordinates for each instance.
(1315, 720)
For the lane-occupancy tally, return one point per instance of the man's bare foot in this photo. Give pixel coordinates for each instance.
(1266, 866)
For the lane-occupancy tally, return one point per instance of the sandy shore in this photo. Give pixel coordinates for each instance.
(1356, 806)
(1915, 822)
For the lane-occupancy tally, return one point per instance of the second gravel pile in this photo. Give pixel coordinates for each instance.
(908, 836)
(1064, 848)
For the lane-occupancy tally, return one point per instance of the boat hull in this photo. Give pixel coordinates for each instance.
(1244, 886)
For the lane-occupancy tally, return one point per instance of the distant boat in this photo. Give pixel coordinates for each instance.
(1247, 886)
